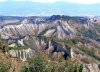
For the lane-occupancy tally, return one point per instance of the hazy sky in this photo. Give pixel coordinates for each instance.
(50, 1)
(50, 7)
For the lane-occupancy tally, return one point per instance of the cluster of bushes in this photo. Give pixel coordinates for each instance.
(97, 27)
(41, 63)
(4, 67)
(69, 43)
(89, 33)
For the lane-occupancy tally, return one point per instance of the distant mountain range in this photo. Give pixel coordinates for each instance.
(35, 8)
(68, 25)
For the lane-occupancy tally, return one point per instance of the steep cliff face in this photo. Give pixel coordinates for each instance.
(22, 54)
(85, 26)
(58, 30)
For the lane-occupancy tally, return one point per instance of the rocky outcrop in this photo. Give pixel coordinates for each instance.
(91, 68)
(58, 30)
(22, 54)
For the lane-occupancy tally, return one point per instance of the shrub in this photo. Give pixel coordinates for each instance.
(25, 69)
(71, 66)
(4, 67)
(68, 43)
(89, 33)
(81, 68)
(41, 63)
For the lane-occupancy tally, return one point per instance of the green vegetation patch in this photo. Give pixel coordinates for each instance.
(89, 53)
(4, 66)
(89, 33)
(97, 27)
(68, 43)
(18, 48)
(40, 63)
